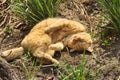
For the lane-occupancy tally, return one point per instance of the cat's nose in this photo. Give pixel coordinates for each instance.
(90, 40)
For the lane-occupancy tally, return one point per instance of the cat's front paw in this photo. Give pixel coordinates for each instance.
(57, 47)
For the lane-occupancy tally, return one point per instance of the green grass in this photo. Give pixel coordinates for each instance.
(73, 73)
(33, 11)
(8, 30)
(111, 11)
(30, 66)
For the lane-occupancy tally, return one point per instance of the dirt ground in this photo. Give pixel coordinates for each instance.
(103, 63)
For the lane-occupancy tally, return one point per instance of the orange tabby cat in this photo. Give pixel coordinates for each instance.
(51, 35)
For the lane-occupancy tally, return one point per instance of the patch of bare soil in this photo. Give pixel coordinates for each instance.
(102, 64)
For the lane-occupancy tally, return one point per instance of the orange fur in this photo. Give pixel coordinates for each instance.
(51, 35)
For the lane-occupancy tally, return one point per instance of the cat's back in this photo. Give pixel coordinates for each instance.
(45, 23)
(37, 36)
(65, 27)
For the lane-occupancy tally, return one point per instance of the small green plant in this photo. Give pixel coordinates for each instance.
(34, 10)
(111, 11)
(30, 68)
(8, 30)
(74, 73)
(30, 71)
(106, 42)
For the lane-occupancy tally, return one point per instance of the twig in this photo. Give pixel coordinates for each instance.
(3, 1)
(44, 66)
(3, 22)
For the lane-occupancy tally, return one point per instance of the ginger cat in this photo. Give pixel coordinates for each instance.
(51, 35)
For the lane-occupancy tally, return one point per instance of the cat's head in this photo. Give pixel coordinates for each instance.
(80, 41)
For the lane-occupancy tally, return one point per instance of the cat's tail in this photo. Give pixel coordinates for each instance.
(12, 53)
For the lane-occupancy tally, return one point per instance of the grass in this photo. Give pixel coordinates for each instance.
(8, 30)
(30, 73)
(73, 73)
(111, 11)
(33, 11)
(30, 66)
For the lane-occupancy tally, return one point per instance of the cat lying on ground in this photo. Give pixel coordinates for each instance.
(51, 35)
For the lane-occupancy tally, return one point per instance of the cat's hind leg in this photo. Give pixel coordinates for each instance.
(41, 55)
(12, 53)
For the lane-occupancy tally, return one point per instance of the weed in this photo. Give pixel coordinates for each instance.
(34, 10)
(76, 73)
(30, 68)
(8, 30)
(105, 31)
(30, 71)
(111, 11)
(106, 42)
(92, 34)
